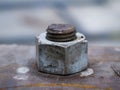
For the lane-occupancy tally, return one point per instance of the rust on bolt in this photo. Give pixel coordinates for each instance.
(61, 32)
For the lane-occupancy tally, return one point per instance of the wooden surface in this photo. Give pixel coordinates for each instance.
(18, 71)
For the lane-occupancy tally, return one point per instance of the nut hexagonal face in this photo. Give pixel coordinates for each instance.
(51, 59)
(76, 57)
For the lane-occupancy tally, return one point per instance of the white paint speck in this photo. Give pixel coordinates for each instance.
(21, 77)
(117, 49)
(87, 72)
(21, 73)
(22, 70)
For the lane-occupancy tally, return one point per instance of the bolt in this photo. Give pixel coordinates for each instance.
(61, 33)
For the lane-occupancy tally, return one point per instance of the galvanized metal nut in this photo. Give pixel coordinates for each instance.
(61, 57)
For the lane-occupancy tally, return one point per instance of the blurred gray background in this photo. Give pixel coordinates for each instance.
(22, 20)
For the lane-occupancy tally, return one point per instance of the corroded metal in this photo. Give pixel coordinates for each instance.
(61, 32)
(61, 50)
(13, 57)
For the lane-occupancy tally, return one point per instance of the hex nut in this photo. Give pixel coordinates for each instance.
(61, 58)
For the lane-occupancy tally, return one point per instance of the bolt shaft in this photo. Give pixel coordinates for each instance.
(61, 33)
